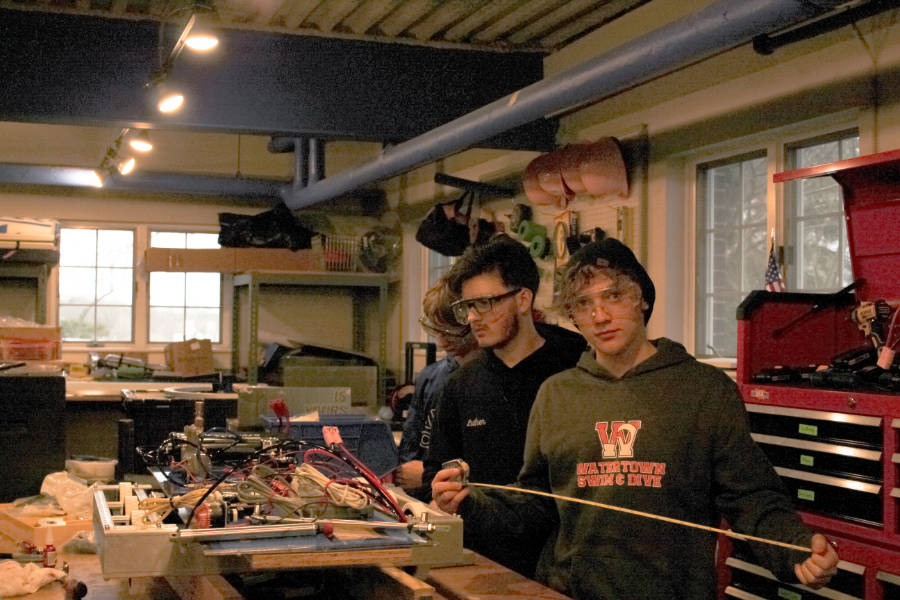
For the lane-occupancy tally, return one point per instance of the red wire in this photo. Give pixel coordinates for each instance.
(374, 482)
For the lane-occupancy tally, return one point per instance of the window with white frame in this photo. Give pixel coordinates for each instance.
(818, 257)
(184, 305)
(732, 233)
(96, 283)
(731, 246)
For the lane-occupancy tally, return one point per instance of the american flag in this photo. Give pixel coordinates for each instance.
(774, 280)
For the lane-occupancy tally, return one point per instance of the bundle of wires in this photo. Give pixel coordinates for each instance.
(158, 508)
(291, 478)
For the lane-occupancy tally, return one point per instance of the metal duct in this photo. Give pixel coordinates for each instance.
(718, 27)
(155, 182)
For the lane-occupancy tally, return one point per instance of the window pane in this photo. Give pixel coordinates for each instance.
(114, 286)
(113, 323)
(202, 289)
(166, 324)
(166, 289)
(77, 247)
(202, 240)
(77, 322)
(725, 185)
(818, 196)
(167, 239)
(725, 258)
(753, 186)
(731, 247)
(76, 285)
(724, 325)
(96, 284)
(818, 253)
(115, 248)
(201, 323)
(754, 257)
(185, 305)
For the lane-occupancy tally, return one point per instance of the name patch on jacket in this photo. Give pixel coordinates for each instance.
(476, 422)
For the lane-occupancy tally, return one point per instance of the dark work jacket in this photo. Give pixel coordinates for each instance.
(482, 416)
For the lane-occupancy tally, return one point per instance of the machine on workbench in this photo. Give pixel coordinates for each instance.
(237, 502)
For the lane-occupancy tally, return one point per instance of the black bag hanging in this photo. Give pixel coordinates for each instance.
(447, 236)
(275, 228)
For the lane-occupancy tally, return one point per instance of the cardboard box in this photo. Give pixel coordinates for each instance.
(191, 357)
(233, 260)
(277, 259)
(192, 260)
(30, 343)
(362, 380)
(253, 401)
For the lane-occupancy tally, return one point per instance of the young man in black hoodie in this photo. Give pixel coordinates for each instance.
(482, 412)
(640, 425)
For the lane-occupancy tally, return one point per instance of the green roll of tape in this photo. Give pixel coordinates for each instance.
(539, 246)
(528, 230)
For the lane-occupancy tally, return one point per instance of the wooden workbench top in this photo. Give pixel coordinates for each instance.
(482, 580)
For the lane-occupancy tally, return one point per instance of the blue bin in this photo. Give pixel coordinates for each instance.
(369, 438)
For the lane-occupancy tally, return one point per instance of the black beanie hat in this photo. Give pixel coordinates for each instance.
(620, 258)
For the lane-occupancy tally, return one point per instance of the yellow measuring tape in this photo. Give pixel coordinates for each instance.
(728, 532)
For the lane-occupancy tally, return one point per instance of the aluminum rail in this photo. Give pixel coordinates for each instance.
(716, 28)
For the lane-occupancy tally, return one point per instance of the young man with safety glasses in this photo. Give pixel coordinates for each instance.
(638, 425)
(483, 410)
(457, 341)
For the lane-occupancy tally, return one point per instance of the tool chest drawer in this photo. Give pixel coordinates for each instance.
(843, 498)
(890, 584)
(817, 426)
(749, 580)
(821, 458)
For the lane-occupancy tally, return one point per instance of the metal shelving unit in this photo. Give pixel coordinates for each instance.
(39, 273)
(254, 280)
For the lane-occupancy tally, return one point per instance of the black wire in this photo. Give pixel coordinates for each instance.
(206, 495)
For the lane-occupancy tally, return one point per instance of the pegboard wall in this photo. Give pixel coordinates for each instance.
(618, 217)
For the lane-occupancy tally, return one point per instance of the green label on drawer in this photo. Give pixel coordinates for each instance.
(806, 460)
(807, 495)
(788, 594)
(809, 429)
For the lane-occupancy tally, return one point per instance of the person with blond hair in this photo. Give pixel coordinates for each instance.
(460, 347)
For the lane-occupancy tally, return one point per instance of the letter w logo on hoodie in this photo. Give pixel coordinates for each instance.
(617, 441)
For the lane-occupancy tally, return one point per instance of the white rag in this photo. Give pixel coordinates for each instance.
(18, 580)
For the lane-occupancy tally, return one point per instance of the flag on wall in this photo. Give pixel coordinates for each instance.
(774, 279)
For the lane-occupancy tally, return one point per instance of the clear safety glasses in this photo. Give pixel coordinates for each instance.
(615, 301)
(482, 305)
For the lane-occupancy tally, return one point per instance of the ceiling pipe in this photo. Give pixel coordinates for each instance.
(141, 181)
(716, 28)
(767, 44)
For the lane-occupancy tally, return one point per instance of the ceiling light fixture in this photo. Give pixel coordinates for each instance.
(198, 35)
(139, 140)
(168, 100)
(96, 178)
(126, 165)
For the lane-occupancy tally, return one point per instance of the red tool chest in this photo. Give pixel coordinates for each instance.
(832, 433)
